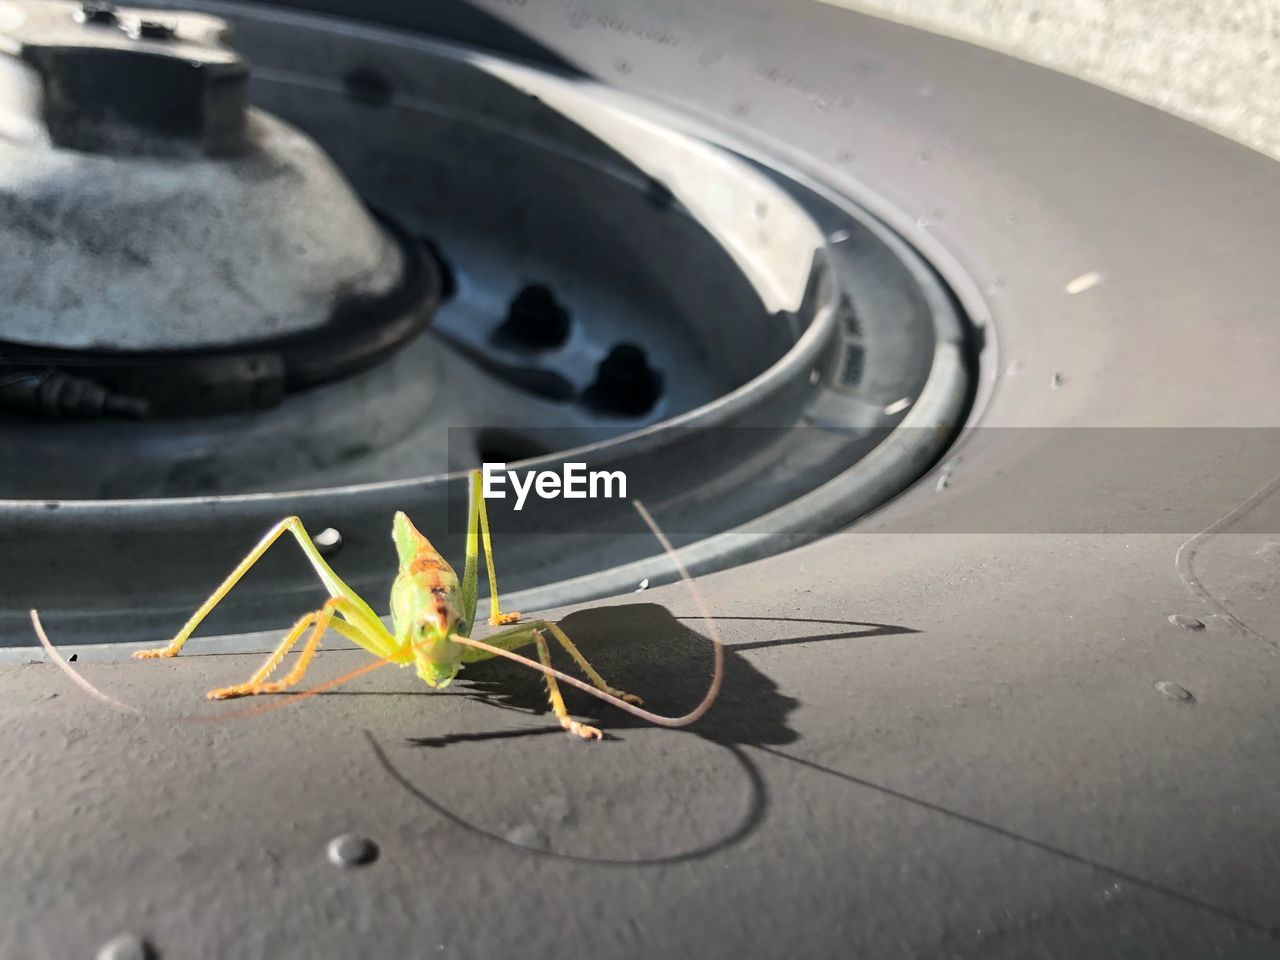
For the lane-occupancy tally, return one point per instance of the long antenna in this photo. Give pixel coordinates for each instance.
(70, 671)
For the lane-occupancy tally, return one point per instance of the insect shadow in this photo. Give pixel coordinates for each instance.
(643, 643)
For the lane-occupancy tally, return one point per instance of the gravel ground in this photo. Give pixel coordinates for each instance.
(1215, 63)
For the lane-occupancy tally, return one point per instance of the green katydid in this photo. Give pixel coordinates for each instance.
(433, 613)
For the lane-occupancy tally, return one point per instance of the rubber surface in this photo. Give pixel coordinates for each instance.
(940, 735)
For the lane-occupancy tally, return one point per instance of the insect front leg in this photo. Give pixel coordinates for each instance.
(361, 611)
(319, 621)
(520, 637)
(478, 533)
(532, 632)
(557, 701)
(596, 680)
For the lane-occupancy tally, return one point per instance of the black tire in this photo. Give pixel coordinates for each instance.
(984, 747)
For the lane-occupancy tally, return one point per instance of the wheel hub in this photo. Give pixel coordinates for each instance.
(165, 249)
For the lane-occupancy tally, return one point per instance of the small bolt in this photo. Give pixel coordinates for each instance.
(97, 11)
(127, 947)
(328, 541)
(1186, 622)
(350, 850)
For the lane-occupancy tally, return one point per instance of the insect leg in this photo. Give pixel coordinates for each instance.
(596, 680)
(470, 578)
(319, 622)
(513, 639)
(285, 646)
(478, 516)
(557, 701)
(360, 613)
(291, 638)
(522, 636)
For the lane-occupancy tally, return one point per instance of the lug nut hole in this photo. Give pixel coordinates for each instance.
(625, 384)
(535, 321)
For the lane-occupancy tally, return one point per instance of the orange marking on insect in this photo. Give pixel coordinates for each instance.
(428, 562)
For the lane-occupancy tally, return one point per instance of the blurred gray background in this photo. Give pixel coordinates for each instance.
(1215, 63)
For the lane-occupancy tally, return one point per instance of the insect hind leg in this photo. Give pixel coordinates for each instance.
(359, 612)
